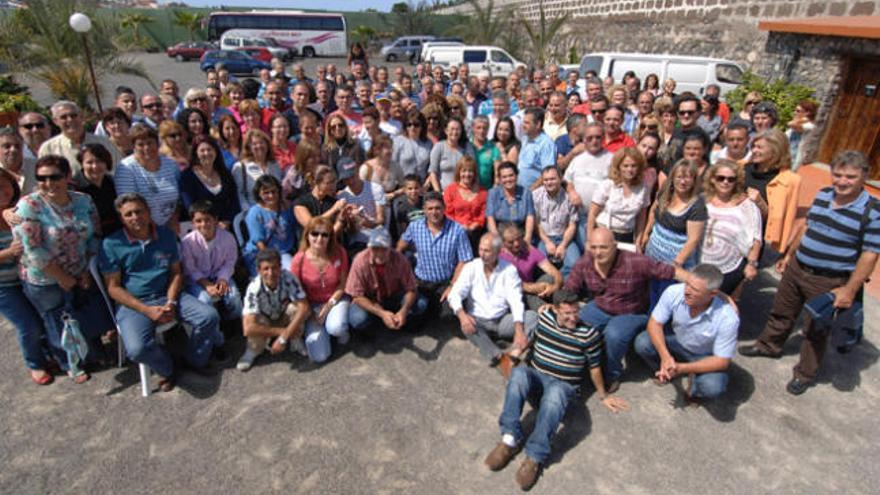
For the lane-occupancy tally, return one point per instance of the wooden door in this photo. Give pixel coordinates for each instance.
(854, 123)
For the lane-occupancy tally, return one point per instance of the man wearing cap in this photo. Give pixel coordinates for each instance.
(382, 286)
(365, 204)
(387, 123)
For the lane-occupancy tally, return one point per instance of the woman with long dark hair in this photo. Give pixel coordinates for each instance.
(208, 179)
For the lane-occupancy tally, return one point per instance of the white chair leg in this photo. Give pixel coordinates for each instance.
(145, 379)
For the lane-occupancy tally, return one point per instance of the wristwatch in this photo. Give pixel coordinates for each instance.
(282, 340)
(753, 263)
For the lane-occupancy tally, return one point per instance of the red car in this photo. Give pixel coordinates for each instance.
(189, 50)
(257, 52)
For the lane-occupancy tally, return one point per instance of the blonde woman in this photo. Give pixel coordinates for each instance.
(772, 185)
(620, 203)
(172, 143)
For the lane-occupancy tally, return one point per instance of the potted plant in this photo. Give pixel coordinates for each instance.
(14, 99)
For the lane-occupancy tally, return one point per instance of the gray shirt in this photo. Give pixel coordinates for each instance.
(553, 213)
(444, 158)
(411, 157)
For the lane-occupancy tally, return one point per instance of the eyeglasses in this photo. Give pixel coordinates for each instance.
(172, 136)
(730, 179)
(325, 235)
(687, 112)
(199, 98)
(34, 125)
(67, 116)
(153, 106)
(50, 177)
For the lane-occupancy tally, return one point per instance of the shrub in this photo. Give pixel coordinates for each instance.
(784, 94)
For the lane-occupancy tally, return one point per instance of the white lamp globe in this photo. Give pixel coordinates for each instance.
(80, 22)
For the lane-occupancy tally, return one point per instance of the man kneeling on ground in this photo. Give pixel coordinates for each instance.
(275, 306)
(692, 331)
(563, 347)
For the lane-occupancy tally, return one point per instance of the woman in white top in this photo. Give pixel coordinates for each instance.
(379, 168)
(256, 160)
(621, 201)
(733, 237)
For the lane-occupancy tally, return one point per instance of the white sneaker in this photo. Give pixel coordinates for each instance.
(246, 361)
(298, 346)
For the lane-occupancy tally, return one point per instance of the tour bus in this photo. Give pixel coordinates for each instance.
(308, 33)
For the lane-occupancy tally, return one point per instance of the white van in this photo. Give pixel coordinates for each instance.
(491, 58)
(690, 73)
(403, 48)
(433, 44)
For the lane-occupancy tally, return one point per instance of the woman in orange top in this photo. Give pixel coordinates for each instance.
(466, 200)
(773, 186)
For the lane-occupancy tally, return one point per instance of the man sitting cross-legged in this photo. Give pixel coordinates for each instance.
(564, 346)
(275, 306)
(692, 331)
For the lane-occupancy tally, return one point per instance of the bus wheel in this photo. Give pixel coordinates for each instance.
(308, 52)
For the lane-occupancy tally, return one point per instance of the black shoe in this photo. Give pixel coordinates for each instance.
(752, 350)
(796, 386)
(220, 356)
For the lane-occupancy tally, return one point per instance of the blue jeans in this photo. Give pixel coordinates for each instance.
(16, 308)
(706, 385)
(139, 333)
(360, 319)
(51, 301)
(552, 396)
(572, 253)
(618, 332)
(317, 336)
(231, 302)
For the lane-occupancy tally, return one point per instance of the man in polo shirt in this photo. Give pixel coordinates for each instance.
(835, 251)
(557, 114)
(442, 248)
(67, 116)
(537, 151)
(492, 291)
(382, 286)
(564, 347)
(142, 272)
(556, 220)
(692, 331)
(618, 282)
(615, 137)
(275, 306)
(584, 174)
(540, 279)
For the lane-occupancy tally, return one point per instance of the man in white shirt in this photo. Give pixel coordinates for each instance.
(585, 172)
(492, 290)
(365, 204)
(557, 115)
(68, 118)
(736, 140)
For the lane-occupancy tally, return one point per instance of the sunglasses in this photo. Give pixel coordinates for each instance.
(325, 235)
(172, 136)
(50, 177)
(35, 125)
(199, 98)
(750, 102)
(413, 124)
(649, 127)
(599, 110)
(687, 112)
(725, 178)
(153, 105)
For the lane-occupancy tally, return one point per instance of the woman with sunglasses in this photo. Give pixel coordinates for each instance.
(732, 241)
(436, 120)
(256, 161)
(96, 181)
(338, 142)
(14, 306)
(411, 153)
(155, 177)
(446, 154)
(208, 179)
(173, 143)
(751, 99)
(270, 224)
(321, 266)
(59, 233)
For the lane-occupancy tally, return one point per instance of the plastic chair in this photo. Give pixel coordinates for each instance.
(143, 369)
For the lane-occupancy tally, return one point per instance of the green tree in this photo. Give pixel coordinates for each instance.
(39, 42)
(411, 17)
(484, 25)
(364, 34)
(191, 21)
(134, 22)
(544, 37)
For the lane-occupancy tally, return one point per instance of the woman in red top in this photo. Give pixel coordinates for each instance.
(466, 200)
(282, 147)
(321, 266)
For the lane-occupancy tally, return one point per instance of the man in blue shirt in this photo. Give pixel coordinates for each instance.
(692, 331)
(835, 251)
(142, 272)
(538, 150)
(442, 248)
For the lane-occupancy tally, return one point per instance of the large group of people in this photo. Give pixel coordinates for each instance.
(563, 223)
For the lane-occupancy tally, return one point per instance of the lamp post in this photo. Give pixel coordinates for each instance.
(82, 24)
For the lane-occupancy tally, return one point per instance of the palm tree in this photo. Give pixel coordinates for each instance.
(134, 22)
(484, 26)
(37, 41)
(191, 21)
(409, 17)
(364, 34)
(546, 36)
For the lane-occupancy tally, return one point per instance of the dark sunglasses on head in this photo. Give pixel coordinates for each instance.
(34, 125)
(49, 177)
(725, 178)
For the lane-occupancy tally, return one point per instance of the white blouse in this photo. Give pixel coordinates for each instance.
(619, 212)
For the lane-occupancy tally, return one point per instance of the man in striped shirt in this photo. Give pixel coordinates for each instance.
(563, 348)
(835, 251)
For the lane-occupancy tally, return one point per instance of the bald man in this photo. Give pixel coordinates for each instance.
(619, 282)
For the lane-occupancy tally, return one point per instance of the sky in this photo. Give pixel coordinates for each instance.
(342, 5)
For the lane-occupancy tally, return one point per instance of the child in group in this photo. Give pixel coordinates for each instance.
(269, 223)
(208, 256)
(408, 206)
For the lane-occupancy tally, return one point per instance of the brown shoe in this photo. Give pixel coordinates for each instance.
(166, 384)
(527, 474)
(500, 456)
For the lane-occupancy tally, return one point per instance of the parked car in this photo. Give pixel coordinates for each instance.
(690, 73)
(403, 48)
(257, 52)
(236, 62)
(491, 58)
(189, 50)
(231, 42)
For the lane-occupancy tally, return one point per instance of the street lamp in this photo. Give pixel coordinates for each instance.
(82, 24)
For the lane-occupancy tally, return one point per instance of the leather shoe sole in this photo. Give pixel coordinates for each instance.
(753, 350)
(796, 386)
